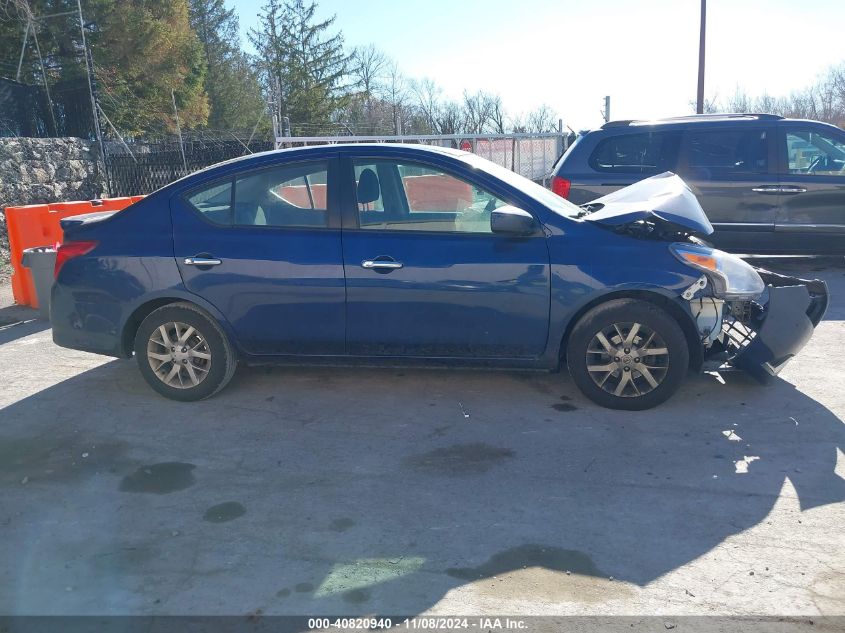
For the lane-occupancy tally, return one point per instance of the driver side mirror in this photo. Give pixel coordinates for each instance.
(511, 220)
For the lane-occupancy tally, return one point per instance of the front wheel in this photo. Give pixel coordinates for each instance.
(627, 354)
(183, 354)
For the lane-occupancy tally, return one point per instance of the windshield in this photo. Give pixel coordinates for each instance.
(542, 195)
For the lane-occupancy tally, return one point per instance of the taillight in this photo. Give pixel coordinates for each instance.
(561, 186)
(68, 251)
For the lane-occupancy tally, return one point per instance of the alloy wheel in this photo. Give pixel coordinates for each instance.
(627, 359)
(179, 355)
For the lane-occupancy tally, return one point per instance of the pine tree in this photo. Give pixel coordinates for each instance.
(304, 64)
(232, 85)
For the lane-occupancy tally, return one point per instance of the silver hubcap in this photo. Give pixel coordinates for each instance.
(179, 355)
(627, 359)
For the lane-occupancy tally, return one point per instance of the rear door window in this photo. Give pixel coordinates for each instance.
(214, 202)
(636, 153)
(724, 153)
(292, 195)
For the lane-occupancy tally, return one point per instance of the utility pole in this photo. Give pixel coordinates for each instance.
(699, 103)
(179, 130)
(606, 111)
(89, 63)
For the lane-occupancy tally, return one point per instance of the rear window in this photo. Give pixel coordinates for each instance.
(728, 152)
(639, 153)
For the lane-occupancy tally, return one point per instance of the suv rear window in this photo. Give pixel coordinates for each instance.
(639, 153)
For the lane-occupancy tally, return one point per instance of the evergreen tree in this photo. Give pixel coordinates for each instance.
(303, 62)
(144, 49)
(232, 85)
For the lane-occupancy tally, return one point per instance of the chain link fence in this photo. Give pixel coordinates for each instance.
(136, 167)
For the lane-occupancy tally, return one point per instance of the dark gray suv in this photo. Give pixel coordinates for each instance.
(768, 184)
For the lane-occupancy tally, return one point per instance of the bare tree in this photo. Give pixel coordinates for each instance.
(478, 111)
(498, 116)
(427, 95)
(368, 65)
(451, 118)
(397, 96)
(540, 119)
(824, 100)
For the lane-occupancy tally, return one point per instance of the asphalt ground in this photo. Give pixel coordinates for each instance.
(360, 491)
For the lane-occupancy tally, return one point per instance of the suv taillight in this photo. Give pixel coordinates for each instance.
(561, 186)
(68, 251)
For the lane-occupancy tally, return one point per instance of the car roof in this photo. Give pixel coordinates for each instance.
(345, 147)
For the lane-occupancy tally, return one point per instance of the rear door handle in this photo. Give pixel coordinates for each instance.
(770, 189)
(202, 261)
(381, 264)
(779, 189)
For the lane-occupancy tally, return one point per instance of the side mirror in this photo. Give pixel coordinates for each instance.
(513, 221)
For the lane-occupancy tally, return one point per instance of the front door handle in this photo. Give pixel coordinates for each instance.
(793, 190)
(202, 261)
(770, 189)
(381, 263)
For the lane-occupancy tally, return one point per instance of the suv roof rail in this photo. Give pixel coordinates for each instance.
(694, 117)
(620, 123)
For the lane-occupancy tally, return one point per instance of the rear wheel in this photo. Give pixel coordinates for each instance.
(183, 354)
(627, 354)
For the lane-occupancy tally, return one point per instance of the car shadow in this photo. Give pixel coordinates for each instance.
(317, 491)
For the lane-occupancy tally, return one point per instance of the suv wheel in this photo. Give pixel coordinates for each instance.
(627, 354)
(183, 354)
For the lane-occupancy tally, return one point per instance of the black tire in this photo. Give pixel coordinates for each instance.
(638, 392)
(221, 364)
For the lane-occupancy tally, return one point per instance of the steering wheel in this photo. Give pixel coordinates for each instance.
(814, 164)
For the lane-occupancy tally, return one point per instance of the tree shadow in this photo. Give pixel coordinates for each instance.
(379, 491)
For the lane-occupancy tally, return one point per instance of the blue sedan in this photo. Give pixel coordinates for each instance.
(405, 253)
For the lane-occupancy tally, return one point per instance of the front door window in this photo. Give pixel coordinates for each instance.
(813, 153)
(413, 197)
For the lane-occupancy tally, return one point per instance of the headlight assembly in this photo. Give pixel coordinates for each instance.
(730, 277)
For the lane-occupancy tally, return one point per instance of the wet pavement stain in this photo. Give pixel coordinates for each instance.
(356, 596)
(159, 479)
(55, 457)
(304, 587)
(460, 460)
(564, 406)
(341, 525)
(223, 512)
(440, 431)
(538, 571)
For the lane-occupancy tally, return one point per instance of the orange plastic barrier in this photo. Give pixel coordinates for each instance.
(38, 225)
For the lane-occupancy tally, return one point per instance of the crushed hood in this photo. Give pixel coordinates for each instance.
(665, 197)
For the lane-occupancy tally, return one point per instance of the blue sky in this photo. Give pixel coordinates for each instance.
(569, 54)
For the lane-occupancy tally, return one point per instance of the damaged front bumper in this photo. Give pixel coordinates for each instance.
(762, 336)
